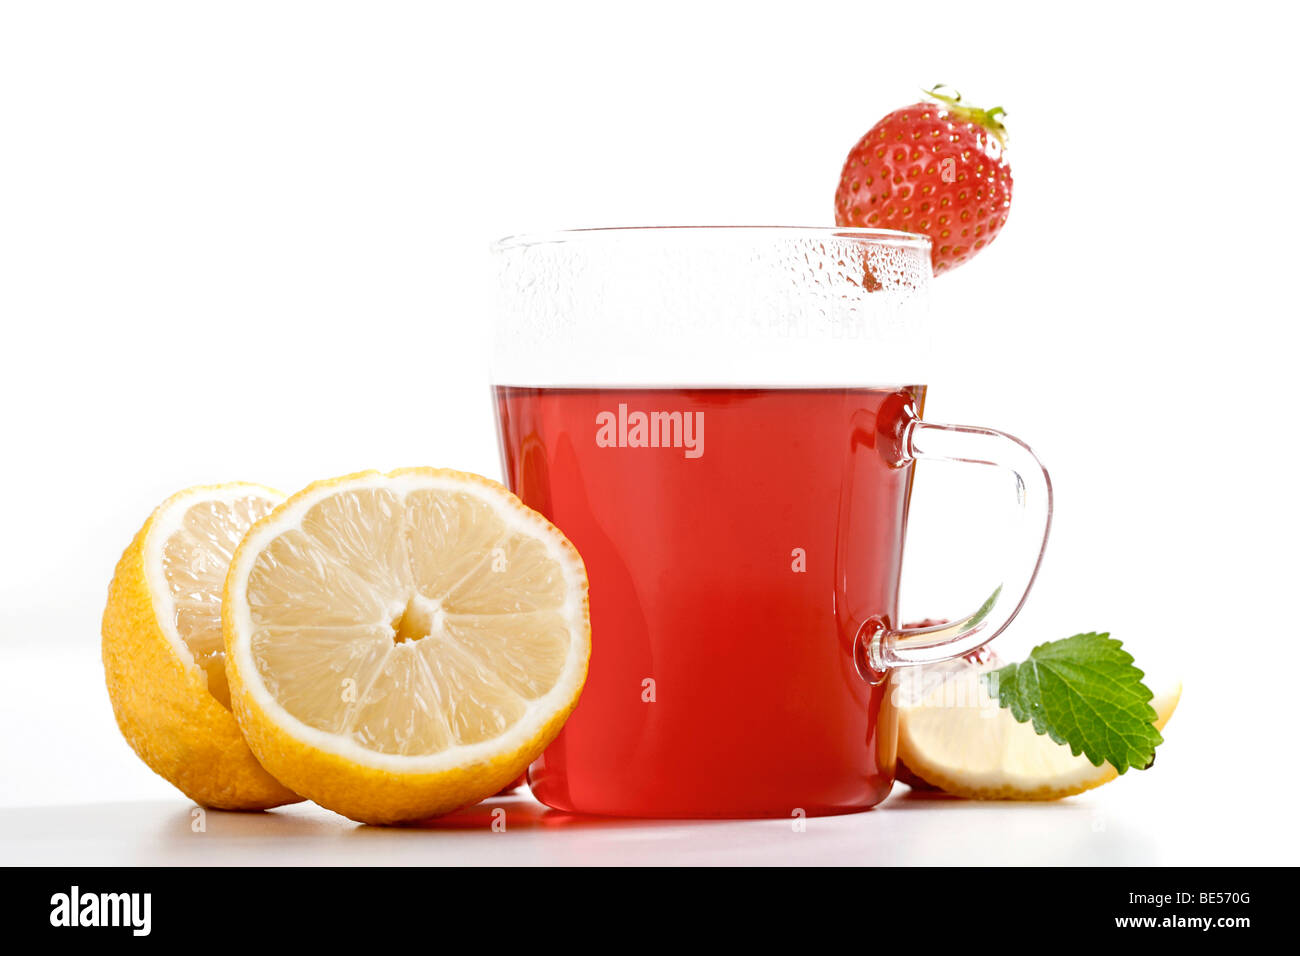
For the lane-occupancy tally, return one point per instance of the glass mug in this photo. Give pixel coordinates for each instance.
(724, 420)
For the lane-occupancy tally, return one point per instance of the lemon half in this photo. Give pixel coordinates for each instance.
(163, 649)
(401, 645)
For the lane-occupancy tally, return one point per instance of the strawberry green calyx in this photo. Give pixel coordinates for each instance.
(988, 119)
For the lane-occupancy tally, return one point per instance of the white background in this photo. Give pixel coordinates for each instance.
(249, 241)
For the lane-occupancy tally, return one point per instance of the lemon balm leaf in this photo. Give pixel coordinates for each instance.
(1086, 693)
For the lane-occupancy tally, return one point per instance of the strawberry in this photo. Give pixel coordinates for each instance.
(934, 168)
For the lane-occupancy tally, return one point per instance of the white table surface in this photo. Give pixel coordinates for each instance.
(906, 829)
(73, 793)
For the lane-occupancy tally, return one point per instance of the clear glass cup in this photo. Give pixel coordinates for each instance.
(724, 421)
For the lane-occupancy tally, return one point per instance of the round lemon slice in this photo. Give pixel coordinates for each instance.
(401, 645)
(163, 649)
(957, 738)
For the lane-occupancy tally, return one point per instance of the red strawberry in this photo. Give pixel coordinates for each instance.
(933, 168)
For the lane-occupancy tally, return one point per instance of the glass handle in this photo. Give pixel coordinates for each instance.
(881, 646)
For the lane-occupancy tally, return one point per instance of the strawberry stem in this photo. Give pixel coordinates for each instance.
(989, 119)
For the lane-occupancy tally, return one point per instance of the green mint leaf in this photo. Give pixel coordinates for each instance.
(1083, 692)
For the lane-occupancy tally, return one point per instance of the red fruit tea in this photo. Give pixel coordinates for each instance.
(735, 539)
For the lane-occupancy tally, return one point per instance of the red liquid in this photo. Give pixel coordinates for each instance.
(690, 547)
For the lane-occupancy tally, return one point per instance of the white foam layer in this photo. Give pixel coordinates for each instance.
(713, 306)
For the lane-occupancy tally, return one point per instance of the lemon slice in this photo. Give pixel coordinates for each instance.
(401, 645)
(958, 739)
(163, 649)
